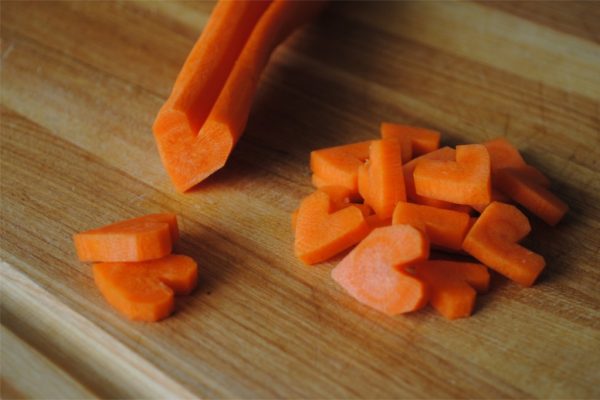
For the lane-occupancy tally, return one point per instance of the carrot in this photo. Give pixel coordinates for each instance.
(503, 154)
(422, 140)
(339, 165)
(531, 174)
(372, 272)
(137, 239)
(340, 197)
(496, 196)
(381, 179)
(452, 285)
(493, 241)
(534, 197)
(322, 232)
(144, 290)
(206, 113)
(445, 228)
(464, 181)
(444, 153)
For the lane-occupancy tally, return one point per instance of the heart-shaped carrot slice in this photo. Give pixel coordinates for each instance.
(339, 165)
(322, 232)
(138, 239)
(464, 181)
(493, 241)
(372, 273)
(453, 285)
(144, 291)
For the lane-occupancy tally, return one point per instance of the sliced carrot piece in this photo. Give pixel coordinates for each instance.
(372, 272)
(422, 140)
(322, 233)
(144, 291)
(446, 228)
(340, 197)
(496, 196)
(530, 173)
(375, 222)
(382, 177)
(493, 241)
(339, 165)
(452, 285)
(503, 154)
(446, 154)
(464, 181)
(534, 197)
(206, 113)
(138, 239)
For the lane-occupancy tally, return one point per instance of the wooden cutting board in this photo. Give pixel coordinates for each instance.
(81, 84)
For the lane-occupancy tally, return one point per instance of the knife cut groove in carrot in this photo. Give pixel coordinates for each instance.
(445, 228)
(453, 285)
(144, 290)
(138, 239)
(207, 111)
(372, 272)
(422, 140)
(493, 241)
(464, 181)
(534, 197)
(339, 165)
(382, 177)
(322, 233)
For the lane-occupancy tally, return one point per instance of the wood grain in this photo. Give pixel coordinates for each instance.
(81, 84)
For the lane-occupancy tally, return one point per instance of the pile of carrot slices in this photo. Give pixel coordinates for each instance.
(206, 112)
(392, 200)
(134, 268)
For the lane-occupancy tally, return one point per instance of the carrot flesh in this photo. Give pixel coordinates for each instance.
(381, 179)
(534, 197)
(445, 154)
(372, 272)
(464, 181)
(321, 232)
(138, 239)
(206, 113)
(503, 154)
(445, 228)
(453, 285)
(493, 240)
(144, 291)
(422, 140)
(339, 165)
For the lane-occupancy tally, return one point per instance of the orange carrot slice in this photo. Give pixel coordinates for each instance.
(340, 197)
(322, 232)
(464, 181)
(496, 196)
(446, 154)
(339, 165)
(529, 173)
(206, 113)
(372, 274)
(138, 239)
(452, 285)
(493, 241)
(422, 140)
(445, 228)
(382, 177)
(503, 154)
(144, 291)
(534, 197)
